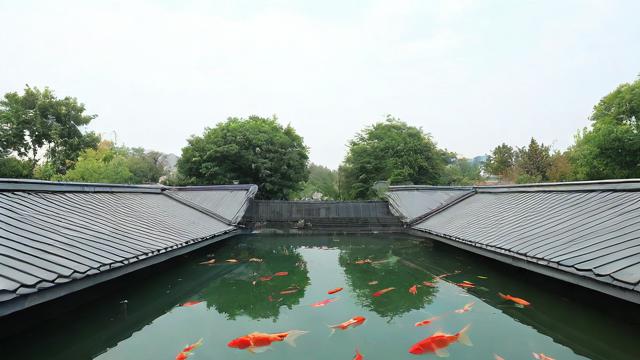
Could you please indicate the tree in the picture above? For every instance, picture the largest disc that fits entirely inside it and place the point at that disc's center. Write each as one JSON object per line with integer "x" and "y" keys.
{"x": 533, "y": 162}
{"x": 560, "y": 168}
{"x": 146, "y": 167}
{"x": 390, "y": 151}
{"x": 461, "y": 171}
{"x": 38, "y": 122}
{"x": 501, "y": 160}
{"x": 321, "y": 180}
{"x": 10, "y": 167}
{"x": 611, "y": 148}
{"x": 253, "y": 150}
{"x": 106, "y": 164}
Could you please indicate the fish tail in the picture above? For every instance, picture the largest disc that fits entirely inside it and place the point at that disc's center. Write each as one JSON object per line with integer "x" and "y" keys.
{"x": 292, "y": 335}
{"x": 463, "y": 338}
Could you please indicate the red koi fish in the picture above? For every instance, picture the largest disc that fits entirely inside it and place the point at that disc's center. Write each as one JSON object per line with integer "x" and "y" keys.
{"x": 383, "y": 291}
{"x": 288, "y": 291}
{"x": 426, "y": 322}
{"x": 466, "y": 285}
{"x": 542, "y": 356}
{"x": 188, "y": 350}
{"x": 365, "y": 261}
{"x": 281, "y": 273}
{"x": 265, "y": 278}
{"x": 429, "y": 284}
{"x": 353, "y": 322}
{"x": 258, "y": 342}
{"x": 358, "y": 356}
{"x": 190, "y": 303}
{"x": 521, "y": 302}
{"x": 208, "y": 262}
{"x": 324, "y": 302}
{"x": 413, "y": 290}
{"x": 333, "y": 291}
{"x": 438, "y": 342}
{"x": 465, "y": 308}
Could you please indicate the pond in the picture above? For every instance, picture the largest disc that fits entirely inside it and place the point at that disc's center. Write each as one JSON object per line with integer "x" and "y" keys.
{"x": 276, "y": 279}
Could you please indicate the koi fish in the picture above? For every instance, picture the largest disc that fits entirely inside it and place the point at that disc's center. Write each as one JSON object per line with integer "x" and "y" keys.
{"x": 288, "y": 291}
{"x": 430, "y": 284}
{"x": 383, "y": 291}
{"x": 190, "y": 303}
{"x": 281, "y": 273}
{"x": 258, "y": 342}
{"x": 521, "y": 302}
{"x": 187, "y": 351}
{"x": 233, "y": 261}
{"x": 353, "y": 322}
{"x": 208, "y": 262}
{"x": 333, "y": 291}
{"x": 426, "y": 322}
{"x": 324, "y": 302}
{"x": 413, "y": 290}
{"x": 358, "y": 356}
{"x": 255, "y": 260}
{"x": 483, "y": 277}
{"x": 465, "y": 308}
{"x": 365, "y": 261}
{"x": 465, "y": 285}
{"x": 542, "y": 356}
{"x": 498, "y": 357}
{"x": 265, "y": 278}
{"x": 271, "y": 299}
{"x": 374, "y": 282}
{"x": 438, "y": 342}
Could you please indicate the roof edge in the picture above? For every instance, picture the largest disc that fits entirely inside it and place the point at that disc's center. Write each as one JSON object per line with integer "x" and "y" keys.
{"x": 594, "y": 185}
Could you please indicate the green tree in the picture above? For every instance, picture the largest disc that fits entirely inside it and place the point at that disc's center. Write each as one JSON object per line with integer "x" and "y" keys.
{"x": 461, "y": 171}
{"x": 533, "y": 162}
{"x": 390, "y": 151}
{"x": 10, "y": 167}
{"x": 322, "y": 180}
{"x": 611, "y": 148}
{"x": 145, "y": 166}
{"x": 37, "y": 122}
{"x": 106, "y": 164}
{"x": 560, "y": 168}
{"x": 501, "y": 160}
{"x": 253, "y": 150}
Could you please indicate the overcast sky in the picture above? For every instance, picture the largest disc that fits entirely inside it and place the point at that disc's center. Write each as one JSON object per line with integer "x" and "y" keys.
{"x": 473, "y": 74}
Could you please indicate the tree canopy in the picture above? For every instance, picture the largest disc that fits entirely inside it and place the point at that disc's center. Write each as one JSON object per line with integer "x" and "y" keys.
{"x": 321, "y": 180}
{"x": 611, "y": 148}
{"x": 390, "y": 151}
{"x": 500, "y": 161}
{"x": 37, "y": 123}
{"x": 253, "y": 150}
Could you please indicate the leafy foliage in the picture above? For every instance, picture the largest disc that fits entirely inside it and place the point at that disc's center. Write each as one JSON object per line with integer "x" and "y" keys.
{"x": 501, "y": 160}
{"x": 38, "y": 122}
{"x": 461, "y": 171}
{"x": 533, "y": 162}
{"x": 390, "y": 151}
{"x": 611, "y": 148}
{"x": 253, "y": 150}
{"x": 321, "y": 180}
{"x": 11, "y": 167}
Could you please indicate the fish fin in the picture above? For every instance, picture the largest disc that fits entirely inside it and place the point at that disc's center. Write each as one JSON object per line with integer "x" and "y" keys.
{"x": 463, "y": 338}
{"x": 292, "y": 335}
{"x": 442, "y": 352}
{"x": 257, "y": 350}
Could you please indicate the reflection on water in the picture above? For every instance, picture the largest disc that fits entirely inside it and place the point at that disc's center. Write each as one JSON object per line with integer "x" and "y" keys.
{"x": 140, "y": 317}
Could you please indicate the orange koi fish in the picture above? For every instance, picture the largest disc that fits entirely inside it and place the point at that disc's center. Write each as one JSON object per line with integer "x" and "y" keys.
{"x": 255, "y": 260}
{"x": 288, "y": 291}
{"x": 466, "y": 285}
{"x": 358, "y": 356}
{"x": 429, "y": 284}
{"x": 383, "y": 291}
{"x": 438, "y": 342}
{"x": 374, "y": 282}
{"x": 187, "y": 351}
{"x": 465, "y": 308}
{"x": 521, "y": 302}
{"x": 413, "y": 290}
{"x": 233, "y": 261}
{"x": 324, "y": 302}
{"x": 190, "y": 303}
{"x": 542, "y": 356}
{"x": 208, "y": 262}
{"x": 426, "y": 322}
{"x": 365, "y": 261}
{"x": 333, "y": 291}
{"x": 353, "y": 322}
{"x": 498, "y": 357}
{"x": 265, "y": 278}
{"x": 281, "y": 273}
{"x": 258, "y": 342}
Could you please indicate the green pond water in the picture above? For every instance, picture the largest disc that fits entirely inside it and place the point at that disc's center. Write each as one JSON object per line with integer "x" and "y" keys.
{"x": 139, "y": 317}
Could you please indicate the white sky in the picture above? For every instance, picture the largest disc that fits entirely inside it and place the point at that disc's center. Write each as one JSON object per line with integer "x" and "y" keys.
{"x": 471, "y": 73}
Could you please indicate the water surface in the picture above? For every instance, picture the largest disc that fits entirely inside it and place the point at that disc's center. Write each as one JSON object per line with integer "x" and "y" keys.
{"x": 141, "y": 317}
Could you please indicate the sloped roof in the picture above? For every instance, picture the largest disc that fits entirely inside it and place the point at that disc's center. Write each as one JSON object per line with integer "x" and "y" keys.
{"x": 587, "y": 229}
{"x": 59, "y": 233}
{"x": 413, "y": 202}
